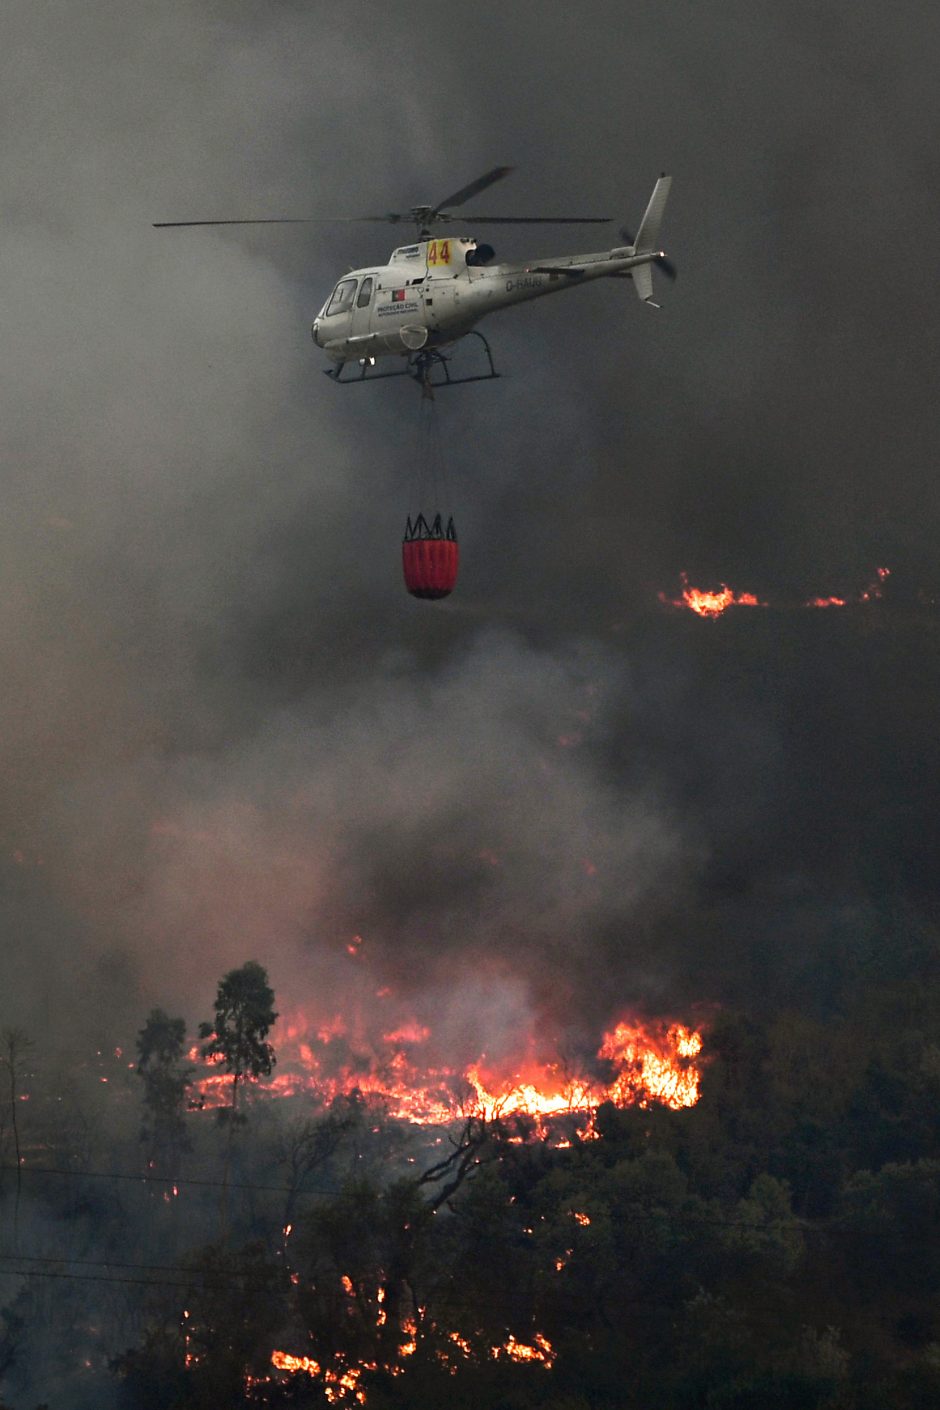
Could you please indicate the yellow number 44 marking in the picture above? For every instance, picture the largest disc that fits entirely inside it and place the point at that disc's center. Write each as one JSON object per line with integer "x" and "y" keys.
{"x": 439, "y": 252}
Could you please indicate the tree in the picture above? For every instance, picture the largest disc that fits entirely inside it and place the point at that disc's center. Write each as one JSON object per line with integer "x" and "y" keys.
{"x": 15, "y": 1047}
{"x": 166, "y": 1078}
{"x": 244, "y": 1014}
{"x": 888, "y": 1234}
{"x": 305, "y": 1146}
{"x": 216, "y": 1339}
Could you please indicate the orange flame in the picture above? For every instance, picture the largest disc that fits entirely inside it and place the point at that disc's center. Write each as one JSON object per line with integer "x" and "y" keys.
{"x": 714, "y": 602}
{"x": 341, "y": 1381}
{"x": 710, "y": 603}
{"x": 646, "y": 1064}
{"x": 410, "y": 1345}
{"x": 341, "y": 1385}
{"x": 541, "y": 1350}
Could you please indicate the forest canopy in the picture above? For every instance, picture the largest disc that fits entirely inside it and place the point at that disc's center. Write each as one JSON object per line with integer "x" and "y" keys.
{"x": 774, "y": 1244}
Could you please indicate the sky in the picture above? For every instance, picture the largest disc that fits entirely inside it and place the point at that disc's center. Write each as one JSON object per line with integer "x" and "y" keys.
{"x": 226, "y": 731}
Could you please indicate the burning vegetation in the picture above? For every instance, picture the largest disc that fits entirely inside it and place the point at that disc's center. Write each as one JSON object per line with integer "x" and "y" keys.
{"x": 709, "y": 602}
{"x": 714, "y": 602}
{"x": 312, "y": 1217}
{"x": 342, "y": 1384}
{"x": 634, "y": 1064}
{"x": 354, "y": 1317}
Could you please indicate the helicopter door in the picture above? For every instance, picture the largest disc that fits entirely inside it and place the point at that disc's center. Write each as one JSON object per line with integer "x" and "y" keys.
{"x": 363, "y": 307}
{"x": 337, "y": 316}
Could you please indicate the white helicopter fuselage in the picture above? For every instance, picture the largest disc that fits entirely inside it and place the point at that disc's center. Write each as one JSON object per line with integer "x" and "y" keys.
{"x": 433, "y": 292}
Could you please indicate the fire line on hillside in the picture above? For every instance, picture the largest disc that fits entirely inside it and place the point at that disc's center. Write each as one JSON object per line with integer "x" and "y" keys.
{"x": 641, "y": 1064}
{"x": 713, "y": 602}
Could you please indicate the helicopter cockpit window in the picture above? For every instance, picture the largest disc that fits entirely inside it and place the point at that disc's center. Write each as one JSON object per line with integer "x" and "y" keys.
{"x": 365, "y": 293}
{"x": 481, "y": 254}
{"x": 342, "y": 299}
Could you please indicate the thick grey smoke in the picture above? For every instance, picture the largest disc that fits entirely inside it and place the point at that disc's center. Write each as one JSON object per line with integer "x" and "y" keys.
{"x": 226, "y": 731}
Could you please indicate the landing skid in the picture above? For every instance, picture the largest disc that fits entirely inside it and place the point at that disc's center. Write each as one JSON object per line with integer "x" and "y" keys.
{"x": 420, "y": 368}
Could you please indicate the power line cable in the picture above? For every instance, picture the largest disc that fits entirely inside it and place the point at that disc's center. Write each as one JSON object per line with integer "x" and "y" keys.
{"x": 161, "y": 1179}
{"x": 796, "y": 1224}
{"x": 119, "y": 1263}
{"x": 102, "y": 1278}
{"x": 209, "y": 1280}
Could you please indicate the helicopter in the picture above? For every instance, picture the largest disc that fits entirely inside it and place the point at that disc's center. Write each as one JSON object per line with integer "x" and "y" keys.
{"x": 432, "y": 293}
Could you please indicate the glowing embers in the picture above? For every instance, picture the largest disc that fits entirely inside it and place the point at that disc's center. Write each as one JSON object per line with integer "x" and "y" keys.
{"x": 872, "y": 593}
{"x": 430, "y": 556}
{"x": 539, "y": 1350}
{"x": 342, "y": 1382}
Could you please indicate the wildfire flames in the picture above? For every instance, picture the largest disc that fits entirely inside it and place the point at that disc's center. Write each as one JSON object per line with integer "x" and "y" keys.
{"x": 709, "y": 603}
{"x": 635, "y": 1065}
{"x": 342, "y": 1382}
{"x": 714, "y": 602}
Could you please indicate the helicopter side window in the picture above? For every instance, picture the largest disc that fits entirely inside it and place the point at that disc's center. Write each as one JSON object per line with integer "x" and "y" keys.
{"x": 342, "y": 299}
{"x": 481, "y": 255}
{"x": 365, "y": 293}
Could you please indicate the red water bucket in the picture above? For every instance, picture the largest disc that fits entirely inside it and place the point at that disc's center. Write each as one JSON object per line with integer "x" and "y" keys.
{"x": 430, "y": 557}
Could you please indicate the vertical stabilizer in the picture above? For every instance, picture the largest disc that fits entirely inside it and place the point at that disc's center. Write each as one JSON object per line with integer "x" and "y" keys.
{"x": 647, "y": 237}
{"x": 647, "y": 243}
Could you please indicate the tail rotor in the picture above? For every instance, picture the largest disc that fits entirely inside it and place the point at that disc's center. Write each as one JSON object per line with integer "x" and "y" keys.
{"x": 662, "y": 262}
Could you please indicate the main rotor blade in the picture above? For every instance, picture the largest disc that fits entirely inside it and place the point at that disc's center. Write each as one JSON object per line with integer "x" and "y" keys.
{"x": 283, "y": 220}
{"x": 537, "y": 219}
{"x": 475, "y": 187}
